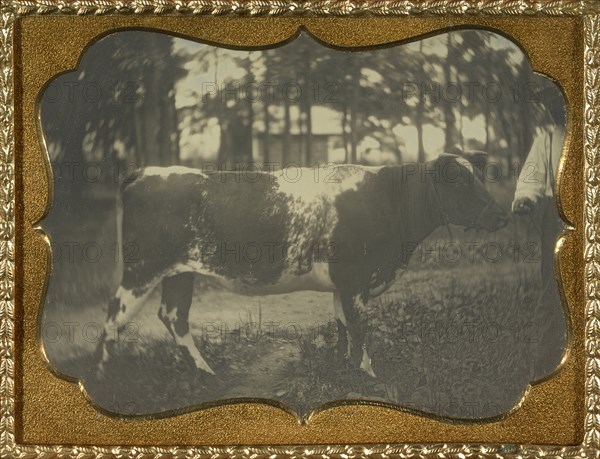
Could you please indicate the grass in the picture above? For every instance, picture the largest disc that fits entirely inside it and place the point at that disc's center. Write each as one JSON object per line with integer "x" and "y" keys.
{"x": 84, "y": 260}
{"x": 461, "y": 353}
{"x": 454, "y": 337}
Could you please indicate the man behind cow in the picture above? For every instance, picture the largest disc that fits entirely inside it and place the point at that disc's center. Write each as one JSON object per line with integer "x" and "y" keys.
{"x": 534, "y": 196}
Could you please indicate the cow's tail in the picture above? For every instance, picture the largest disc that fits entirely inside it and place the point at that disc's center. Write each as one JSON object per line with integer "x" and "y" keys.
{"x": 119, "y": 220}
{"x": 121, "y": 250}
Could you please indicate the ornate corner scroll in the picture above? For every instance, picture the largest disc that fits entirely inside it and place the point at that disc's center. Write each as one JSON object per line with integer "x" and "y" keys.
{"x": 12, "y": 9}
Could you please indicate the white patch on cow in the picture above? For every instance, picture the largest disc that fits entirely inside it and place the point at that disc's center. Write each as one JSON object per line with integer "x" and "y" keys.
{"x": 170, "y": 317}
{"x": 310, "y": 183}
{"x": 317, "y": 280}
{"x": 466, "y": 163}
{"x": 165, "y": 172}
{"x": 365, "y": 364}
{"x": 187, "y": 342}
{"x": 129, "y": 305}
{"x": 310, "y": 197}
{"x": 372, "y": 169}
{"x": 352, "y": 181}
{"x": 300, "y": 183}
{"x": 127, "y": 297}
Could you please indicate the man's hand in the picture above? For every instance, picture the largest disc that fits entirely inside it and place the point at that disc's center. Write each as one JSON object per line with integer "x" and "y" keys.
{"x": 522, "y": 206}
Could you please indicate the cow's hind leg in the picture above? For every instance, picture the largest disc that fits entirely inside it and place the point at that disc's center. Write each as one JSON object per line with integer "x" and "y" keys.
{"x": 122, "y": 308}
{"x": 174, "y": 312}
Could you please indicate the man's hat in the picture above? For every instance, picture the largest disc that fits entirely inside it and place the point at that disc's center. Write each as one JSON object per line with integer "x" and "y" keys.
{"x": 552, "y": 99}
{"x": 548, "y": 93}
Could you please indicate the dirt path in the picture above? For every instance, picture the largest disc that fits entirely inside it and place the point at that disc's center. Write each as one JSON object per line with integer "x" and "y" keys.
{"x": 261, "y": 378}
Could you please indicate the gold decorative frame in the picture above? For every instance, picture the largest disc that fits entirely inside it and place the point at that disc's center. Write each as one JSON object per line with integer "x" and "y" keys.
{"x": 589, "y": 10}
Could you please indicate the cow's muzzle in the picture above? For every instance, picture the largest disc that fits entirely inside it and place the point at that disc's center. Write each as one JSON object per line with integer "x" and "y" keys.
{"x": 491, "y": 218}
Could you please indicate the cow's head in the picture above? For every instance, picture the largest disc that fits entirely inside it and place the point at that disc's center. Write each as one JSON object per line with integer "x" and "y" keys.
{"x": 460, "y": 194}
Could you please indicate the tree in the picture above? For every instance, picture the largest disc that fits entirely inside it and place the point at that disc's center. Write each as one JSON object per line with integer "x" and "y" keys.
{"x": 122, "y": 92}
{"x": 451, "y": 133}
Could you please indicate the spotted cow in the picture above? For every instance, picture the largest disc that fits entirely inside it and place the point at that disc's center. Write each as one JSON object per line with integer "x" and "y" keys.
{"x": 344, "y": 229}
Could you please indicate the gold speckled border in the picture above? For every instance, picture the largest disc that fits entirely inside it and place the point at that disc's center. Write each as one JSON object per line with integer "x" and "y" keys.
{"x": 590, "y": 9}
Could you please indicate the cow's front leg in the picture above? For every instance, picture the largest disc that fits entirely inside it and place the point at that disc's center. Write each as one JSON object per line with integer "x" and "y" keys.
{"x": 344, "y": 343}
{"x": 174, "y": 312}
{"x": 355, "y": 315}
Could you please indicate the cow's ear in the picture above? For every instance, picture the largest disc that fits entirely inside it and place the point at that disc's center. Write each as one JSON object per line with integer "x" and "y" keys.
{"x": 445, "y": 158}
{"x": 476, "y": 157}
{"x": 455, "y": 150}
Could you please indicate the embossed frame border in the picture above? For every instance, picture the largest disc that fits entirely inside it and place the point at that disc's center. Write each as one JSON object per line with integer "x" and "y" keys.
{"x": 589, "y": 10}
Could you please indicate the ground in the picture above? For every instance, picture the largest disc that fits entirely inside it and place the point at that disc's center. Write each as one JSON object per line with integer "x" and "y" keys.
{"x": 452, "y": 337}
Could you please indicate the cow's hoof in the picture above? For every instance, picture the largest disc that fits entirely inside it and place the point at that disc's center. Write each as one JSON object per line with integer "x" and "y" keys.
{"x": 365, "y": 364}
{"x": 369, "y": 372}
{"x": 210, "y": 379}
{"x": 99, "y": 373}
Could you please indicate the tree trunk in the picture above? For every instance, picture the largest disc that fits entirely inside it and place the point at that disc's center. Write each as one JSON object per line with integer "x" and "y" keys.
{"x": 344, "y": 130}
{"x": 250, "y": 113}
{"x": 224, "y": 144}
{"x": 301, "y": 138}
{"x": 461, "y": 139}
{"x": 307, "y": 107}
{"x": 397, "y": 150}
{"x": 420, "y": 112}
{"x": 266, "y": 135}
{"x": 450, "y": 133}
{"x": 148, "y": 119}
{"x": 354, "y": 82}
{"x": 70, "y": 183}
{"x": 287, "y": 126}
{"x": 487, "y": 127}
{"x": 238, "y": 135}
{"x": 308, "y": 134}
{"x": 419, "y": 126}
{"x": 267, "y": 63}
{"x": 169, "y": 129}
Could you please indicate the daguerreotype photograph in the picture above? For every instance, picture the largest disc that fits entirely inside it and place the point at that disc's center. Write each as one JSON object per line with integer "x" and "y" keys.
{"x": 303, "y": 225}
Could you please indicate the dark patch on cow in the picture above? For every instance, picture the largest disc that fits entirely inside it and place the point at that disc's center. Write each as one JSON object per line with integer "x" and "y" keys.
{"x": 237, "y": 229}
{"x": 240, "y": 226}
{"x": 156, "y": 220}
{"x": 181, "y": 326}
{"x": 131, "y": 177}
{"x": 165, "y": 320}
{"x": 176, "y": 296}
{"x": 356, "y": 324}
{"x": 379, "y": 226}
